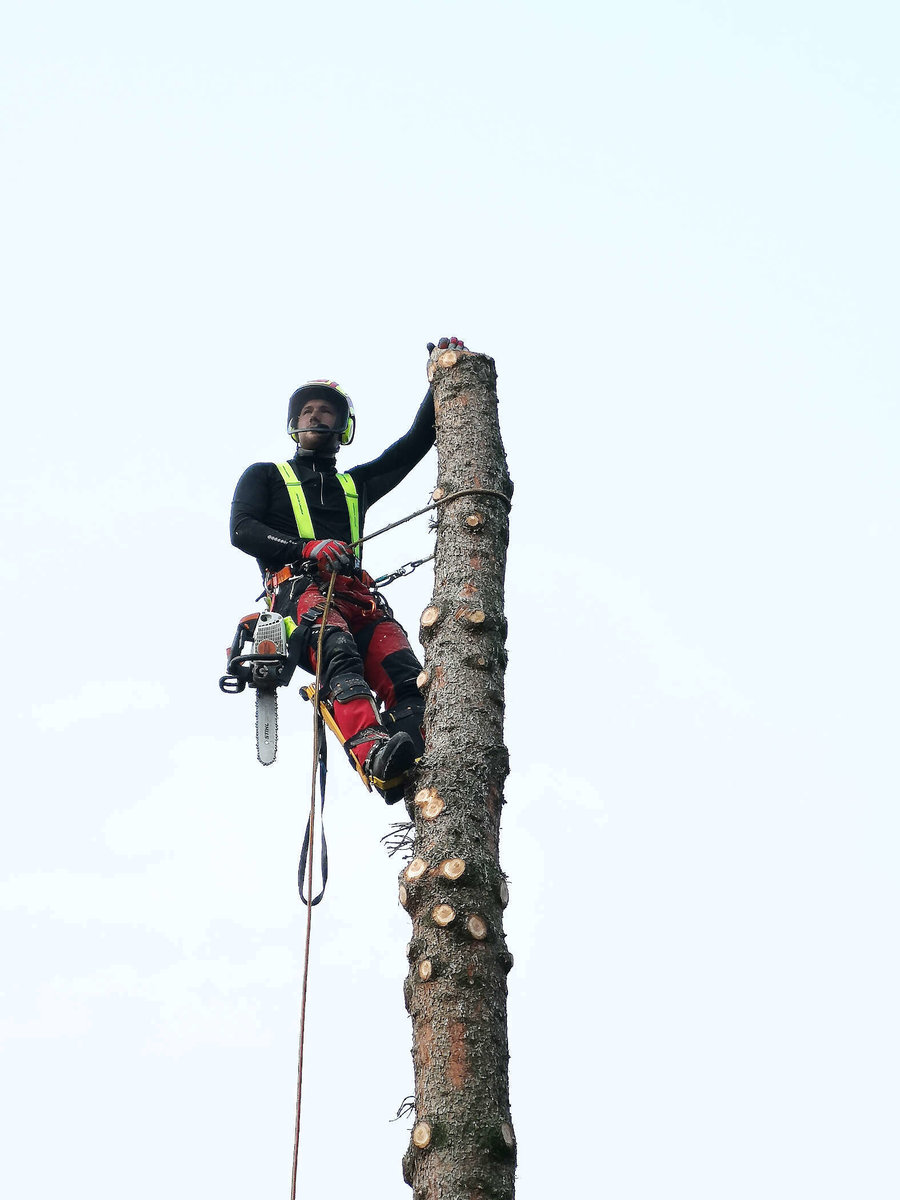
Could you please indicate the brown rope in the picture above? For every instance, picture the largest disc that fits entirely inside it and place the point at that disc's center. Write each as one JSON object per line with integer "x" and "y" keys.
{"x": 435, "y": 504}
{"x": 309, "y": 907}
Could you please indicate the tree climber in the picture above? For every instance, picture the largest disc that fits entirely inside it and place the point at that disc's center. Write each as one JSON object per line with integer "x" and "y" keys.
{"x": 298, "y": 519}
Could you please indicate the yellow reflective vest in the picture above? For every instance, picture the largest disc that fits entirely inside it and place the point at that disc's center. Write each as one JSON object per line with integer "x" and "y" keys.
{"x": 301, "y": 508}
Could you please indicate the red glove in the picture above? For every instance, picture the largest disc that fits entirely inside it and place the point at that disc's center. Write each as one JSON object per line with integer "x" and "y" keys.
{"x": 330, "y": 555}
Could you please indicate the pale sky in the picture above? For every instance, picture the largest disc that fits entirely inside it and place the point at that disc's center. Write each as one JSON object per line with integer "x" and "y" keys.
{"x": 673, "y": 225}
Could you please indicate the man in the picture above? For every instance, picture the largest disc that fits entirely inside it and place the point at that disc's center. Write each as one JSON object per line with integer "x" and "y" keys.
{"x": 298, "y": 520}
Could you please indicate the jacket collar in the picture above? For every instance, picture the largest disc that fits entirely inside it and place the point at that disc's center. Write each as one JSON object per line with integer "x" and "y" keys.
{"x": 326, "y": 463}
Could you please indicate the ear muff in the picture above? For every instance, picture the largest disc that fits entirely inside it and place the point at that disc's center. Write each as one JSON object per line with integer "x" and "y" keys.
{"x": 349, "y": 431}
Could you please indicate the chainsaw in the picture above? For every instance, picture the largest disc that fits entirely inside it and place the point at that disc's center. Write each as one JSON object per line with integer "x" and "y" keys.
{"x": 265, "y": 668}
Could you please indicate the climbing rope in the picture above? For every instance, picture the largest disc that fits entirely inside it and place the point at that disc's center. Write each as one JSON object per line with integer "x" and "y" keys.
{"x": 429, "y": 507}
{"x": 317, "y": 733}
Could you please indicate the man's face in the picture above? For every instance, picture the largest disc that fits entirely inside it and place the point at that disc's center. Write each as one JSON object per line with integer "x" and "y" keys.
{"x": 318, "y": 418}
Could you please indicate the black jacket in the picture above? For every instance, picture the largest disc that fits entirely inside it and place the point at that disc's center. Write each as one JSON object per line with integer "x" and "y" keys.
{"x": 262, "y": 519}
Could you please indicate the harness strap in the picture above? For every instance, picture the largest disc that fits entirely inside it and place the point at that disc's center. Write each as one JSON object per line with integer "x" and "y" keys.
{"x": 376, "y": 733}
{"x": 302, "y": 516}
{"x": 276, "y": 579}
{"x": 369, "y": 603}
{"x": 298, "y": 501}
{"x": 387, "y": 784}
{"x": 350, "y": 495}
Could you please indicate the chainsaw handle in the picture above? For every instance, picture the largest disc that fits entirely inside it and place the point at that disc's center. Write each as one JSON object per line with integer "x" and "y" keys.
{"x": 259, "y": 670}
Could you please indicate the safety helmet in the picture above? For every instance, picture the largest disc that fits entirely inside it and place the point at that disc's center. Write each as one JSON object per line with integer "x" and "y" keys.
{"x": 323, "y": 389}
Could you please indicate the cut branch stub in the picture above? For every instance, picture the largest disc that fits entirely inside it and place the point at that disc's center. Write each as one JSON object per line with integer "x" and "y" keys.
{"x": 438, "y": 494}
{"x": 448, "y": 359}
{"x": 425, "y": 970}
{"x": 415, "y": 870}
{"x": 452, "y": 868}
{"x": 506, "y": 1132}
{"x": 429, "y": 804}
{"x": 477, "y": 927}
{"x": 430, "y": 616}
{"x": 423, "y": 679}
{"x": 443, "y": 915}
{"x": 404, "y": 896}
{"x": 469, "y": 616}
{"x": 421, "y": 1135}
{"x": 475, "y": 519}
{"x": 504, "y": 893}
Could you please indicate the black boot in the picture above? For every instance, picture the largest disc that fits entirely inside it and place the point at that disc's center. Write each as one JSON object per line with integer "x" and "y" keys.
{"x": 389, "y": 764}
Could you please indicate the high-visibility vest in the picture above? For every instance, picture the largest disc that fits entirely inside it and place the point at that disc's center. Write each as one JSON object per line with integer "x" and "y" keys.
{"x": 301, "y": 508}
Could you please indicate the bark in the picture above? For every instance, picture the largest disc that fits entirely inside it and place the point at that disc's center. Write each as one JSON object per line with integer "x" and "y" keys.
{"x": 463, "y": 1145}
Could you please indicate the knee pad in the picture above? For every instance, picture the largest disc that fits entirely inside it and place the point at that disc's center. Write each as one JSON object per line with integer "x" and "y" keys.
{"x": 340, "y": 657}
{"x": 349, "y": 687}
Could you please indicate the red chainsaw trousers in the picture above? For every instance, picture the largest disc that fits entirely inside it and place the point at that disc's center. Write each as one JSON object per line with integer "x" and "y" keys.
{"x": 361, "y": 639}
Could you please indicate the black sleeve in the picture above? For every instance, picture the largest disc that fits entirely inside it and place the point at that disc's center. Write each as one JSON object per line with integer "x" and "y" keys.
{"x": 382, "y": 474}
{"x": 252, "y": 514}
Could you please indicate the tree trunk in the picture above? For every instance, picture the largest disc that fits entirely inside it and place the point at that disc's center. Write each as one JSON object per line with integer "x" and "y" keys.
{"x": 463, "y": 1145}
